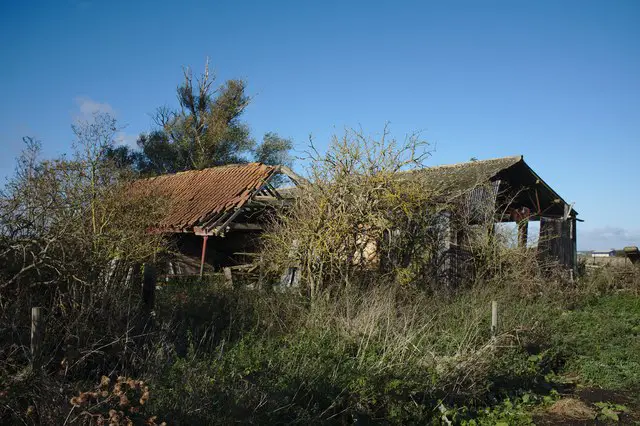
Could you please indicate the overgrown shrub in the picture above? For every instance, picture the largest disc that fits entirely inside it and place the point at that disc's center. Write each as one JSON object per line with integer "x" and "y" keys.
{"x": 376, "y": 354}
{"x": 358, "y": 196}
{"x": 71, "y": 235}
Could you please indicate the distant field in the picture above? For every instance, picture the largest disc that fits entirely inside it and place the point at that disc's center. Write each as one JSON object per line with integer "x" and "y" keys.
{"x": 601, "y": 261}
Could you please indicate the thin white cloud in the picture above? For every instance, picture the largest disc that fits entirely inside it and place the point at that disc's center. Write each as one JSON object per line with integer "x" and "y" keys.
{"x": 86, "y": 110}
{"x": 87, "y": 107}
{"x": 128, "y": 139}
{"x": 607, "y": 237}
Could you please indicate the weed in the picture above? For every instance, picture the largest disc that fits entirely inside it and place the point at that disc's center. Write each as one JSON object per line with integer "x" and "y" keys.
{"x": 609, "y": 411}
{"x": 602, "y": 341}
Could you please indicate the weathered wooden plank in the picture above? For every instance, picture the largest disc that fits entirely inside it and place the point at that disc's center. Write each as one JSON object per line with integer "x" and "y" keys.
{"x": 246, "y": 227}
{"x": 37, "y": 336}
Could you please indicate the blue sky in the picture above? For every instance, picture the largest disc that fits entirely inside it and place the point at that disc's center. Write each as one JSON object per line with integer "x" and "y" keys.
{"x": 556, "y": 81}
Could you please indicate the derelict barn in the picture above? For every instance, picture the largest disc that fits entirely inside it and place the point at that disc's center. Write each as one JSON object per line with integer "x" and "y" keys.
{"x": 508, "y": 190}
{"x": 214, "y": 216}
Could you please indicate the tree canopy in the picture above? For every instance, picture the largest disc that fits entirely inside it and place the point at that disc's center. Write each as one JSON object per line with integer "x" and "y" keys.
{"x": 206, "y": 130}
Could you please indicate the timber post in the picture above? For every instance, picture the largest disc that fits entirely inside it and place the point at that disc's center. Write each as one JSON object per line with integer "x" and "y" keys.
{"x": 494, "y": 319}
{"x": 37, "y": 336}
{"x": 291, "y": 276}
{"x": 203, "y": 254}
{"x": 228, "y": 277}
{"x": 523, "y": 233}
{"x": 521, "y": 217}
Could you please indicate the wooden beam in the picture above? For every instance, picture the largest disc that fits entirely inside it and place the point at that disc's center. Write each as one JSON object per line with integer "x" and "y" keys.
{"x": 246, "y": 227}
{"x": 271, "y": 190}
{"x": 228, "y": 276}
{"x": 222, "y": 227}
{"x": 297, "y": 179}
{"x": 202, "y": 230}
{"x": 37, "y": 336}
{"x": 262, "y": 200}
{"x": 149, "y": 280}
{"x": 567, "y": 211}
{"x": 204, "y": 252}
{"x": 523, "y": 233}
{"x": 216, "y": 229}
{"x": 265, "y": 198}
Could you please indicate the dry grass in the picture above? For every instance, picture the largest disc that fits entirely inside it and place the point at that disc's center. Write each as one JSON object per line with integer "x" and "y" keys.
{"x": 604, "y": 261}
{"x": 572, "y": 408}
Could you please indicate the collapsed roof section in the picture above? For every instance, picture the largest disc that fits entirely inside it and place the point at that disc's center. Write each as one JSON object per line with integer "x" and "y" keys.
{"x": 214, "y": 200}
{"x": 206, "y": 202}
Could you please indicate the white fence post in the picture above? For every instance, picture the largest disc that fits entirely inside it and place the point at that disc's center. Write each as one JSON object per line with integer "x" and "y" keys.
{"x": 494, "y": 318}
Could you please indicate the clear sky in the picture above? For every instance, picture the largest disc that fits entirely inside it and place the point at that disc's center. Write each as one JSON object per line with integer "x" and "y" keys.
{"x": 556, "y": 81}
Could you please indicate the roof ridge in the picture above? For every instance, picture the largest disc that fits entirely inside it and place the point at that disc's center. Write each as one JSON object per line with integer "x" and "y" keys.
{"x": 223, "y": 166}
{"x": 510, "y": 157}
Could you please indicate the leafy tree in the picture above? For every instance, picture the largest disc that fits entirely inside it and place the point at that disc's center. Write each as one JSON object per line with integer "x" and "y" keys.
{"x": 159, "y": 155}
{"x": 273, "y": 150}
{"x": 207, "y": 130}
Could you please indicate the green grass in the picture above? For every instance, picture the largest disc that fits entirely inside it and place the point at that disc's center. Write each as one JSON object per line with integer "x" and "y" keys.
{"x": 384, "y": 355}
{"x": 381, "y": 359}
{"x": 602, "y": 341}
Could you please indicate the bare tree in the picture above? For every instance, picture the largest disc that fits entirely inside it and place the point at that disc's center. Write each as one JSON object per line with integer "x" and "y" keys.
{"x": 63, "y": 223}
{"x": 359, "y": 204}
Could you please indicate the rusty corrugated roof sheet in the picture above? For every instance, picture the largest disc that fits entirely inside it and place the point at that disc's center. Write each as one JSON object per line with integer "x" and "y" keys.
{"x": 198, "y": 197}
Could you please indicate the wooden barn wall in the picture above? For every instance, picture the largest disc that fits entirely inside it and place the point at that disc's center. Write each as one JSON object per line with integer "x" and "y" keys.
{"x": 477, "y": 208}
{"x": 557, "y": 241}
{"x": 186, "y": 250}
{"x": 457, "y": 267}
{"x": 478, "y": 205}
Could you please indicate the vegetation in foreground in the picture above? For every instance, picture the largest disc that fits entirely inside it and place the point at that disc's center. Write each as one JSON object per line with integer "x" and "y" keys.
{"x": 397, "y": 357}
{"x": 376, "y": 356}
{"x": 352, "y": 346}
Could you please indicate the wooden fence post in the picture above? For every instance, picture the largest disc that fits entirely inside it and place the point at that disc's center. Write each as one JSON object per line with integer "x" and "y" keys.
{"x": 261, "y": 272}
{"x": 228, "y": 277}
{"x": 494, "y": 318}
{"x": 149, "y": 286}
{"x": 37, "y": 336}
{"x": 291, "y": 276}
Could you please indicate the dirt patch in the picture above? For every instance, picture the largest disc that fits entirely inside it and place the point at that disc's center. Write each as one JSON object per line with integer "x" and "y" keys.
{"x": 579, "y": 408}
{"x": 567, "y": 411}
{"x": 630, "y": 399}
{"x": 572, "y": 408}
{"x": 553, "y": 420}
{"x": 594, "y": 395}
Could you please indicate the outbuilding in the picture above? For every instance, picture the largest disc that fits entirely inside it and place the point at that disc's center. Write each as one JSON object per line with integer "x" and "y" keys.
{"x": 216, "y": 215}
{"x": 603, "y": 253}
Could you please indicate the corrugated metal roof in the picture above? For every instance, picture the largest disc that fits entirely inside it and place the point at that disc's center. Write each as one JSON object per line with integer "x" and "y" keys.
{"x": 198, "y": 197}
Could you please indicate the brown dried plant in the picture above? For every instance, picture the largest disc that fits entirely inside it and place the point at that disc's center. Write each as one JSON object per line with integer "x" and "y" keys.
{"x": 70, "y": 234}
{"x": 119, "y": 404}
